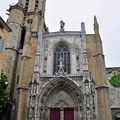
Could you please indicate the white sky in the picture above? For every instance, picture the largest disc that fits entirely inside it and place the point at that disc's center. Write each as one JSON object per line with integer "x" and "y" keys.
{"x": 73, "y": 12}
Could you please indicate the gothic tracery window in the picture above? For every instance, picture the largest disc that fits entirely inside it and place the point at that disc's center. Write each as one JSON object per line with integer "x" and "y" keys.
{"x": 61, "y": 52}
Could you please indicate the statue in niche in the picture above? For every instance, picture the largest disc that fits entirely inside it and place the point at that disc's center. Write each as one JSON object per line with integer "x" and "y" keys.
{"x": 87, "y": 87}
{"x": 34, "y": 89}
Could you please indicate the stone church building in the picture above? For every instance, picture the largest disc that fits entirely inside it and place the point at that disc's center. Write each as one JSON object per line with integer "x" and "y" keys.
{"x": 54, "y": 75}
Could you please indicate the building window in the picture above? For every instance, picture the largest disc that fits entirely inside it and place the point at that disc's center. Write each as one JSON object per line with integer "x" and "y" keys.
{"x": 61, "y": 52}
{"x": 1, "y": 44}
{"x": 22, "y": 38}
{"x": 1, "y": 26}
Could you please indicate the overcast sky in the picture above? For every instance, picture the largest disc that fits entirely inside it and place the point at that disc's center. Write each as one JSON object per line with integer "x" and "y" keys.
{"x": 73, "y": 12}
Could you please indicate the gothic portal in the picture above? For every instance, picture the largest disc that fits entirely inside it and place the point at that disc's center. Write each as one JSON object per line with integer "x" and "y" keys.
{"x": 54, "y": 75}
{"x": 68, "y": 89}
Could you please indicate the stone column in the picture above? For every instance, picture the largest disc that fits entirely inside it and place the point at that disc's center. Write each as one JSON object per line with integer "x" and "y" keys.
{"x": 61, "y": 113}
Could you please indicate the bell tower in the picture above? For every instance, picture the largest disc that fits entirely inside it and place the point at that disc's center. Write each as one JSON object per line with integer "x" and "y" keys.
{"x": 31, "y": 6}
{"x": 26, "y": 18}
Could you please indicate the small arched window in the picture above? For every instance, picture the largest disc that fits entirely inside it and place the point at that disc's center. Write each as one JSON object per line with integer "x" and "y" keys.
{"x": 61, "y": 51}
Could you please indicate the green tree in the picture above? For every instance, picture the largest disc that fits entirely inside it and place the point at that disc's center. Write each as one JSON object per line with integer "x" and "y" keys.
{"x": 115, "y": 80}
{"x": 4, "y": 99}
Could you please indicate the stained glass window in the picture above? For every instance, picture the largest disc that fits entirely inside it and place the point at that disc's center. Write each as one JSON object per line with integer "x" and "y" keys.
{"x": 61, "y": 52}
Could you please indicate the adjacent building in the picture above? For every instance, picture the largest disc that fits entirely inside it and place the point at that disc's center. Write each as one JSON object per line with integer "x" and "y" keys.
{"x": 114, "y": 92}
{"x": 4, "y": 29}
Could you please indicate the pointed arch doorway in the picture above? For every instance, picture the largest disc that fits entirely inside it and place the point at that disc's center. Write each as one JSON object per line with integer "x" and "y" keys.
{"x": 62, "y": 106}
{"x": 61, "y": 100}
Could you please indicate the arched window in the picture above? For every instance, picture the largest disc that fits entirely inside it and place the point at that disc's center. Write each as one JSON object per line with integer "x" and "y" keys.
{"x": 62, "y": 52}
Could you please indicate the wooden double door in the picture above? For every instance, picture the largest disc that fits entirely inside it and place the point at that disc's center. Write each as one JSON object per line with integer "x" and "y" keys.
{"x": 62, "y": 114}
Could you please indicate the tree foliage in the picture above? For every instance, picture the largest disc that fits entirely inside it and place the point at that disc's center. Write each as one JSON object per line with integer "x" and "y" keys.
{"x": 4, "y": 99}
{"x": 115, "y": 80}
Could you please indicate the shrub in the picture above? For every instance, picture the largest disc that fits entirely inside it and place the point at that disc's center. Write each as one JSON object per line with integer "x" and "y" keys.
{"x": 4, "y": 98}
{"x": 115, "y": 80}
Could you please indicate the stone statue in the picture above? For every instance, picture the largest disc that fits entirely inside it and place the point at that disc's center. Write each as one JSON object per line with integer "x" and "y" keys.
{"x": 61, "y": 63}
{"x": 62, "y": 24}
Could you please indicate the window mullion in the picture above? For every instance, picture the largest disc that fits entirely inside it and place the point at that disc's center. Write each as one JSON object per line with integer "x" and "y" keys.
{"x": 66, "y": 61}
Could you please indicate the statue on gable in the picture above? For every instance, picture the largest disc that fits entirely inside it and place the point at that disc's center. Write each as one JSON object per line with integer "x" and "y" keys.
{"x": 62, "y": 24}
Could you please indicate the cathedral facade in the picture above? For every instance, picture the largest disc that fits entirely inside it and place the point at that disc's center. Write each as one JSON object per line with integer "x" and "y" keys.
{"x": 54, "y": 75}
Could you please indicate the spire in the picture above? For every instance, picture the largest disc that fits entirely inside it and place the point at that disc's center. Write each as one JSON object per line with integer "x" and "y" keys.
{"x": 84, "y": 48}
{"x": 96, "y": 25}
{"x": 83, "y": 31}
